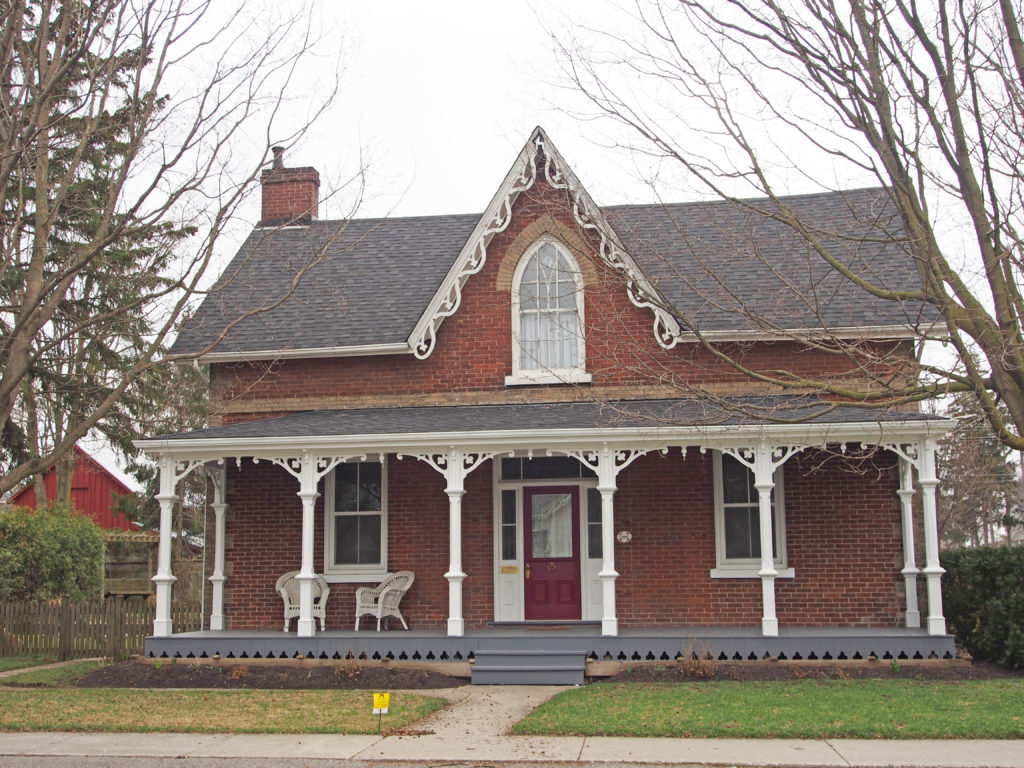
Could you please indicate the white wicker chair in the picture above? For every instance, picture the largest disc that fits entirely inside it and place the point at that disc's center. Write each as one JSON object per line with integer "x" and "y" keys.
{"x": 288, "y": 588}
{"x": 383, "y": 600}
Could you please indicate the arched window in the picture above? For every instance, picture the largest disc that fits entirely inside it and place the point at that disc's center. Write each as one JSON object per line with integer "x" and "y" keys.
{"x": 547, "y": 318}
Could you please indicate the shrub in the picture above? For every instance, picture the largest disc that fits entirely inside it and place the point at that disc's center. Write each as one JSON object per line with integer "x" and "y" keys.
{"x": 983, "y": 599}
{"x": 47, "y": 553}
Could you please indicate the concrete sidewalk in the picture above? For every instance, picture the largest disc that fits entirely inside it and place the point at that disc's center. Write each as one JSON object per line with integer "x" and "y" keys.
{"x": 474, "y": 730}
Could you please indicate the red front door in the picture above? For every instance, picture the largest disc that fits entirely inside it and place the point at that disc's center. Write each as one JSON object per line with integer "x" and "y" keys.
{"x": 552, "y": 539}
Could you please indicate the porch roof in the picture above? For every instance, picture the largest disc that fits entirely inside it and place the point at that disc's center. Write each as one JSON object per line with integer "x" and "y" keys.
{"x": 670, "y": 422}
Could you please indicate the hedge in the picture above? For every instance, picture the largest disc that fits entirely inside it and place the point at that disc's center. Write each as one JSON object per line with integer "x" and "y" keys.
{"x": 983, "y": 599}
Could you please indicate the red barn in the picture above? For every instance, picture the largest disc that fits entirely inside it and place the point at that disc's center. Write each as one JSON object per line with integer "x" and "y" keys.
{"x": 93, "y": 488}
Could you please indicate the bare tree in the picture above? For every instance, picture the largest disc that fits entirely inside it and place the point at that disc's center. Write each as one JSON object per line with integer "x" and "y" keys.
{"x": 742, "y": 98}
{"x": 120, "y": 170}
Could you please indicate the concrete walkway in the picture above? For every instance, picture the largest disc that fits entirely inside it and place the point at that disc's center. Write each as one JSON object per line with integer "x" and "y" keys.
{"x": 474, "y": 730}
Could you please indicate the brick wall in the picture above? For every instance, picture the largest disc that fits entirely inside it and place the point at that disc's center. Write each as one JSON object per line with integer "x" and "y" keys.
{"x": 842, "y": 522}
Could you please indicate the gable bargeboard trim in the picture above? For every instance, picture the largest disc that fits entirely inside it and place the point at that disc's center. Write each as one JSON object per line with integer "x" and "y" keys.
{"x": 496, "y": 219}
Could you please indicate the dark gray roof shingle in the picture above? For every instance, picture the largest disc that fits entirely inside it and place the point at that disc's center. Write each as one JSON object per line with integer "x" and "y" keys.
{"x": 368, "y": 281}
{"x": 725, "y": 267}
{"x": 537, "y": 416}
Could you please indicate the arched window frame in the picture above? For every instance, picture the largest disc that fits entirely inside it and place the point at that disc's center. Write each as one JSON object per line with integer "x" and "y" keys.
{"x": 574, "y": 375}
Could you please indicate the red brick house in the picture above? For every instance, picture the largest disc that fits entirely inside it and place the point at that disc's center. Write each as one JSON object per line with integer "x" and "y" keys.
{"x": 514, "y": 406}
{"x": 93, "y": 488}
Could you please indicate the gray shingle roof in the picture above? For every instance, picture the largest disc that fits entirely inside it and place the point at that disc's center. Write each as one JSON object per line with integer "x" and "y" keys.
{"x": 720, "y": 264}
{"x": 528, "y": 417}
{"x": 725, "y": 267}
{"x": 367, "y": 282}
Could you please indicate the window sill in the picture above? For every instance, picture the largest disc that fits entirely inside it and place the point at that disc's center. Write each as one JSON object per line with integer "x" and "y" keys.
{"x": 355, "y": 577}
{"x": 745, "y": 572}
{"x": 526, "y": 378}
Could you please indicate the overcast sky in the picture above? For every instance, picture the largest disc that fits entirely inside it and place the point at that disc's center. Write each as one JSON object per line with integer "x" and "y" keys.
{"x": 443, "y": 95}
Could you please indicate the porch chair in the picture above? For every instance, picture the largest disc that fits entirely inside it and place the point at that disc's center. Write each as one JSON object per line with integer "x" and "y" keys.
{"x": 288, "y": 588}
{"x": 383, "y": 600}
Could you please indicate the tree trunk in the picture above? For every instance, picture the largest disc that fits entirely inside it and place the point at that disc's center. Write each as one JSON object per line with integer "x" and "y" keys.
{"x": 65, "y": 469}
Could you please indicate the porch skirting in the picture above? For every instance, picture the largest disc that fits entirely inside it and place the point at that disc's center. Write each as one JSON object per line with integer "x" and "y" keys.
{"x": 724, "y": 643}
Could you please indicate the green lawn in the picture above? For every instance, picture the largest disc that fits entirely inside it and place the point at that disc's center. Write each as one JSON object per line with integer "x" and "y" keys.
{"x": 17, "y": 662}
{"x": 204, "y": 711}
{"x": 51, "y": 677}
{"x": 41, "y": 701}
{"x": 863, "y": 709}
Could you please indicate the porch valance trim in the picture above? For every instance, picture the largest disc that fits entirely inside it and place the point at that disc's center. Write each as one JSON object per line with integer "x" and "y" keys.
{"x": 651, "y": 426}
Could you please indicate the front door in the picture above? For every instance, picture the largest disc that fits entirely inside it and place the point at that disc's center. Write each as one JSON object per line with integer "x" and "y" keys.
{"x": 551, "y": 581}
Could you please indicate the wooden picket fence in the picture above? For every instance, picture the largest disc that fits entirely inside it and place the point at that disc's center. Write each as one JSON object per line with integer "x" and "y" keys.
{"x": 115, "y": 627}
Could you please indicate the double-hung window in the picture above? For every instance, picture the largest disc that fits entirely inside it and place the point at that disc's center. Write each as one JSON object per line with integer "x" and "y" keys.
{"x": 356, "y": 521}
{"x": 547, "y": 318}
{"x": 738, "y": 521}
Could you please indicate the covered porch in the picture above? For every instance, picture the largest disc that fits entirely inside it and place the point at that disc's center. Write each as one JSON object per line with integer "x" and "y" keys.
{"x": 606, "y": 439}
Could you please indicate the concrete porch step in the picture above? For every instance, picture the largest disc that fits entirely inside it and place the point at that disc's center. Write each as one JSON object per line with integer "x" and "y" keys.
{"x": 528, "y": 666}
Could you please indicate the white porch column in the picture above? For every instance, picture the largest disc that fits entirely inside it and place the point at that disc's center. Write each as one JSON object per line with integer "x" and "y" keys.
{"x": 308, "y": 469}
{"x": 606, "y": 474}
{"x": 306, "y": 577}
{"x": 932, "y": 570}
{"x": 455, "y": 575}
{"x": 607, "y": 462}
{"x": 164, "y": 579}
{"x": 455, "y": 465}
{"x": 764, "y": 483}
{"x": 910, "y": 571}
{"x": 219, "y": 478}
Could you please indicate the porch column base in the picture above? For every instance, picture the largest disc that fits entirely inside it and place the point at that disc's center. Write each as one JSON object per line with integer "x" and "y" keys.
{"x": 306, "y": 627}
{"x": 769, "y": 621}
{"x": 162, "y": 628}
{"x": 456, "y": 624}
{"x": 162, "y": 624}
{"x": 913, "y": 615}
{"x": 936, "y": 621}
{"x": 456, "y": 627}
{"x": 609, "y": 627}
{"x": 217, "y": 616}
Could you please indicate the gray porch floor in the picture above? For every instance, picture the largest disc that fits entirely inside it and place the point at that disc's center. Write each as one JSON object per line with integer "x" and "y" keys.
{"x": 636, "y": 644}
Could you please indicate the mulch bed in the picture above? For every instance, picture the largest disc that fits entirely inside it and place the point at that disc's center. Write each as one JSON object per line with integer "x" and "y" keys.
{"x": 809, "y": 670}
{"x": 352, "y": 676}
{"x": 342, "y": 676}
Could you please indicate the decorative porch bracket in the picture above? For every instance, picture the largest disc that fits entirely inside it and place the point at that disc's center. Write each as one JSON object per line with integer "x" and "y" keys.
{"x": 219, "y": 478}
{"x": 171, "y": 472}
{"x": 921, "y": 456}
{"x": 607, "y": 462}
{"x": 455, "y": 465}
{"x": 763, "y": 460}
{"x": 308, "y": 469}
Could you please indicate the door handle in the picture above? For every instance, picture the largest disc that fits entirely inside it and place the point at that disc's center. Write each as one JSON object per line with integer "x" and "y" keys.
{"x": 527, "y": 570}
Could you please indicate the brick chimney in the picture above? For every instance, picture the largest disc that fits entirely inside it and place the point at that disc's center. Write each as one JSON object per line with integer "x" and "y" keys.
{"x": 290, "y": 195}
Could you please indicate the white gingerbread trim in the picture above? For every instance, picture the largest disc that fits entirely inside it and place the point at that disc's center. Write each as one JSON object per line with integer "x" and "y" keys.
{"x": 497, "y": 217}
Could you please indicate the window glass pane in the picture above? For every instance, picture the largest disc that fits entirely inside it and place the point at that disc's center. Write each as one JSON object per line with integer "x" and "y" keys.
{"x": 346, "y": 540}
{"x": 508, "y": 525}
{"x": 741, "y": 533}
{"x": 357, "y": 539}
{"x": 511, "y": 469}
{"x": 548, "y": 322}
{"x": 737, "y": 482}
{"x": 593, "y": 506}
{"x": 508, "y": 507}
{"x": 346, "y": 487}
{"x": 369, "y": 486}
{"x": 553, "y": 468}
{"x": 551, "y": 517}
{"x": 595, "y": 549}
